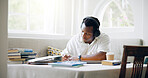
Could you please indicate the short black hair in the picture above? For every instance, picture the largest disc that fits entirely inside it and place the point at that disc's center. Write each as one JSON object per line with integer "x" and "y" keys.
{"x": 92, "y": 21}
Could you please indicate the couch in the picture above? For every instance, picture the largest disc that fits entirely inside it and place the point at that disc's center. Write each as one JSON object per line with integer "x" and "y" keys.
{"x": 40, "y": 45}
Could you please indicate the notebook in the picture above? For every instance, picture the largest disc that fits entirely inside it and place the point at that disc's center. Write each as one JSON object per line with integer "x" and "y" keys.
{"x": 68, "y": 64}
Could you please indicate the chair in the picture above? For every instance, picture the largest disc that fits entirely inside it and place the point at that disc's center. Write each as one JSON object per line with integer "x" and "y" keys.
{"x": 139, "y": 52}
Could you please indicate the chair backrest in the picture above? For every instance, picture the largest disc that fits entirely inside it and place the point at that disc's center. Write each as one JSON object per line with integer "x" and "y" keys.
{"x": 139, "y": 52}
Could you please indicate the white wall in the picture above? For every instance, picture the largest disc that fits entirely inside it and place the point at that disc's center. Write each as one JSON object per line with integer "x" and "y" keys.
{"x": 145, "y": 22}
{"x": 3, "y": 38}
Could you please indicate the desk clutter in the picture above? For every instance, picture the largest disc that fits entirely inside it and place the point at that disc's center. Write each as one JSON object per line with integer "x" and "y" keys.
{"x": 20, "y": 55}
{"x": 55, "y": 61}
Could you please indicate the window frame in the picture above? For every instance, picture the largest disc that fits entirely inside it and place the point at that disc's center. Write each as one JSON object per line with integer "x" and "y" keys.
{"x": 100, "y": 10}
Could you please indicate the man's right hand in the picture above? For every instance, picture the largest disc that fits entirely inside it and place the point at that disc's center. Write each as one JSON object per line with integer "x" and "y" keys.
{"x": 66, "y": 58}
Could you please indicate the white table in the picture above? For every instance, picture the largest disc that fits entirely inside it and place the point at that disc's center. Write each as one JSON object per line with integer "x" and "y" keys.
{"x": 86, "y": 71}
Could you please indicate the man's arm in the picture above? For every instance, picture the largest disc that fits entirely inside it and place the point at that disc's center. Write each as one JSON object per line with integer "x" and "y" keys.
{"x": 94, "y": 57}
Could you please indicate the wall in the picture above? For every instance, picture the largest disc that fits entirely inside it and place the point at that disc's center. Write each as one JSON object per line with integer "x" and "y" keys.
{"x": 145, "y": 22}
{"x": 3, "y": 38}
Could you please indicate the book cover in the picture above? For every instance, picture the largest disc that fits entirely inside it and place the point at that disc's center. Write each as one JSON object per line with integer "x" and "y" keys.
{"x": 111, "y": 62}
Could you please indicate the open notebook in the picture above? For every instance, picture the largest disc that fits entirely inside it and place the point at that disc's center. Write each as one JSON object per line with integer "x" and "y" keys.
{"x": 68, "y": 64}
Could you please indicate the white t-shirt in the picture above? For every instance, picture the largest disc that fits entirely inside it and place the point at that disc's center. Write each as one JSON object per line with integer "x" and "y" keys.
{"x": 76, "y": 46}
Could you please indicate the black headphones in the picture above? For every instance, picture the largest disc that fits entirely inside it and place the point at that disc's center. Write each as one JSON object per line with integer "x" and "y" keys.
{"x": 96, "y": 31}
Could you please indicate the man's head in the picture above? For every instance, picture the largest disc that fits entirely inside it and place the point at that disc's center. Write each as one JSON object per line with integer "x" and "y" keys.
{"x": 90, "y": 29}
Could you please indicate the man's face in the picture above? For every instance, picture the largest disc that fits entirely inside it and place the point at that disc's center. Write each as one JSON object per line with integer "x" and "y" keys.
{"x": 87, "y": 34}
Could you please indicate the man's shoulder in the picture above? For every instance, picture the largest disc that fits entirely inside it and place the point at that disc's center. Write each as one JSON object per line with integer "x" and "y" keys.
{"x": 103, "y": 35}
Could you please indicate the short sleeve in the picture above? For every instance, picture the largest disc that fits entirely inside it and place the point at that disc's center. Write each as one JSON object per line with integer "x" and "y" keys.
{"x": 104, "y": 43}
{"x": 68, "y": 48}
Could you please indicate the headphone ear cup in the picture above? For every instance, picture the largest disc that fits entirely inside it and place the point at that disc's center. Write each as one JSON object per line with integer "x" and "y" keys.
{"x": 97, "y": 33}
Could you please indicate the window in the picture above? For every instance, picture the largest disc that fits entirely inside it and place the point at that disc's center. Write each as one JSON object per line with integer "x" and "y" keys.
{"x": 64, "y": 17}
{"x": 117, "y": 14}
{"x": 37, "y": 16}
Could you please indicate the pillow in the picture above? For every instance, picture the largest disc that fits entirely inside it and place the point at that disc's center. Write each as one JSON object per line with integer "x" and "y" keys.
{"x": 51, "y": 51}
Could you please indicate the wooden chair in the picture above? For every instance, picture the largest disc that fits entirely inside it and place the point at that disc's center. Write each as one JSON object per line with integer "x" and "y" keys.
{"x": 139, "y": 52}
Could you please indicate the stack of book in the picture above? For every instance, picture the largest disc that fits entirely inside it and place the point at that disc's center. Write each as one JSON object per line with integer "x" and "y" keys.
{"x": 51, "y": 51}
{"x": 20, "y": 55}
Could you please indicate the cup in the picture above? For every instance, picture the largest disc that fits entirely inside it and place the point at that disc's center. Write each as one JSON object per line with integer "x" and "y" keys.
{"x": 110, "y": 56}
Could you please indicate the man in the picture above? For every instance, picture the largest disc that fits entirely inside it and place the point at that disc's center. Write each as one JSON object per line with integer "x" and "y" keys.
{"x": 91, "y": 44}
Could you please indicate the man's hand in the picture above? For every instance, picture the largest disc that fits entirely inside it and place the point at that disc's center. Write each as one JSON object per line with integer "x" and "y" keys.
{"x": 74, "y": 58}
{"x": 69, "y": 58}
{"x": 66, "y": 58}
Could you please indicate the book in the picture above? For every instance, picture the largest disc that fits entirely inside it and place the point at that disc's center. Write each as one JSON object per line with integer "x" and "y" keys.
{"x": 11, "y": 51}
{"x": 20, "y": 55}
{"x": 29, "y": 56}
{"x": 92, "y": 62}
{"x": 16, "y": 62}
{"x": 19, "y": 50}
{"x": 111, "y": 62}
{"x": 28, "y": 50}
{"x": 42, "y": 62}
{"x": 17, "y": 59}
{"x": 45, "y": 60}
{"x": 28, "y": 53}
{"x": 14, "y": 56}
{"x": 68, "y": 64}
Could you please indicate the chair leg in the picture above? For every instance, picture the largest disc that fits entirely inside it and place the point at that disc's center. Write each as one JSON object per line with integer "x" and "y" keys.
{"x": 146, "y": 74}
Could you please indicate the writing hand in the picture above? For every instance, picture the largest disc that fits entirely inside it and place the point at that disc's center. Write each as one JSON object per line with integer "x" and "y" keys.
{"x": 66, "y": 58}
{"x": 70, "y": 58}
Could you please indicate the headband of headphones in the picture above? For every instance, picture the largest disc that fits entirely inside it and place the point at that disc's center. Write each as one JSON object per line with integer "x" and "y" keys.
{"x": 96, "y": 25}
{"x": 95, "y": 20}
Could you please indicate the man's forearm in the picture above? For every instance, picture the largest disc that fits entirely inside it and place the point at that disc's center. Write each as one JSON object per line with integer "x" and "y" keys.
{"x": 94, "y": 57}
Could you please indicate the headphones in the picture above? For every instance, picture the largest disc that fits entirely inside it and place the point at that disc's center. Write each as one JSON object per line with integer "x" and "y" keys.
{"x": 96, "y": 31}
